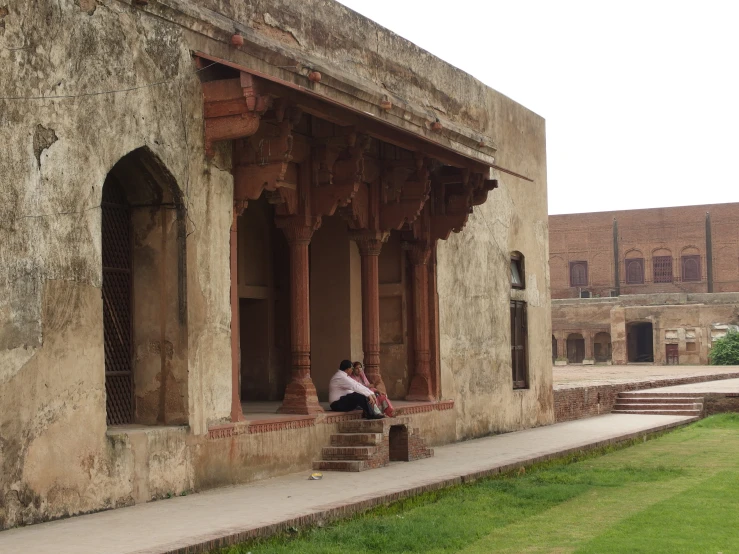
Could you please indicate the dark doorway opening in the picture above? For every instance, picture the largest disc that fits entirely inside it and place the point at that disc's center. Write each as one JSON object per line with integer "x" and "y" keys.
{"x": 399, "y": 443}
{"x": 575, "y": 348}
{"x": 640, "y": 342}
{"x": 264, "y": 309}
{"x": 554, "y": 348}
{"x": 672, "y": 354}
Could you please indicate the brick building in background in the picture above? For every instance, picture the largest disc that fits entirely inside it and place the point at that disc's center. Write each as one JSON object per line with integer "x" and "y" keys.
{"x": 656, "y": 285}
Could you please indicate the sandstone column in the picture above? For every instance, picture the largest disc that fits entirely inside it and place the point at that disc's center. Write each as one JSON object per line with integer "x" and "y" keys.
{"x": 588, "y": 336}
{"x": 300, "y": 394}
{"x": 370, "y": 244}
{"x": 421, "y": 385}
{"x": 236, "y": 412}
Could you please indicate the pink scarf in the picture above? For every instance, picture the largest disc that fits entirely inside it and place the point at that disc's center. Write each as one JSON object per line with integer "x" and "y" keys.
{"x": 361, "y": 378}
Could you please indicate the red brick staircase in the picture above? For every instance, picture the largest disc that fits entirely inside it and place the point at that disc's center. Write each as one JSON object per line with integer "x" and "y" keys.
{"x": 680, "y": 404}
{"x": 367, "y": 444}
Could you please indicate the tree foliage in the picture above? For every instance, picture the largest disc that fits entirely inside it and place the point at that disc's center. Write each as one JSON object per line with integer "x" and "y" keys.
{"x": 725, "y": 350}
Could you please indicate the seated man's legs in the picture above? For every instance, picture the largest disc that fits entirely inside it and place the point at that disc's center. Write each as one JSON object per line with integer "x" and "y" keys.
{"x": 349, "y": 402}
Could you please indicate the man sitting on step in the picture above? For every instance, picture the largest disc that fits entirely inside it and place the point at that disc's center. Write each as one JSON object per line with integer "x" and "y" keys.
{"x": 345, "y": 394}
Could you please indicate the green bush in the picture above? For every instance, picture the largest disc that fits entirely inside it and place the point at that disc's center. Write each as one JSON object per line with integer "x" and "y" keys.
{"x": 725, "y": 350}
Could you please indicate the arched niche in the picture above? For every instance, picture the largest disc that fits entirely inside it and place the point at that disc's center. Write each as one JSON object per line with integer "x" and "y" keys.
{"x": 144, "y": 293}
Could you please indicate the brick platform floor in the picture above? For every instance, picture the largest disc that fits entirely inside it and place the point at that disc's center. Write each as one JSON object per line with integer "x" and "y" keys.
{"x": 199, "y": 522}
{"x": 571, "y": 376}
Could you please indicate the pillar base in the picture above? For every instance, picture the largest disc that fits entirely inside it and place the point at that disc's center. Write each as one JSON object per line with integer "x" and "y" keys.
{"x": 420, "y": 390}
{"x": 300, "y": 398}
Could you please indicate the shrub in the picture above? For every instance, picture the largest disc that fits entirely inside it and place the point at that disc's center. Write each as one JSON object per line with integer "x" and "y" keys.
{"x": 725, "y": 350}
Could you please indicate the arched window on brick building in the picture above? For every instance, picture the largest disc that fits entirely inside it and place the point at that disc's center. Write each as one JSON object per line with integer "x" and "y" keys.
{"x": 690, "y": 264}
{"x": 662, "y": 266}
{"x": 634, "y": 270}
{"x": 578, "y": 274}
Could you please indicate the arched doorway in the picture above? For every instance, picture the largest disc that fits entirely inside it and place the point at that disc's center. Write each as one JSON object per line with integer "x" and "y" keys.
{"x": 575, "y": 348}
{"x": 640, "y": 342}
{"x": 554, "y": 348}
{"x": 602, "y": 347}
{"x": 144, "y": 293}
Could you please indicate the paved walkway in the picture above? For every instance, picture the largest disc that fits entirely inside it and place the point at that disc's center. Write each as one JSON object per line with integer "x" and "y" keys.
{"x": 725, "y": 386}
{"x": 238, "y": 512}
{"x": 574, "y": 376}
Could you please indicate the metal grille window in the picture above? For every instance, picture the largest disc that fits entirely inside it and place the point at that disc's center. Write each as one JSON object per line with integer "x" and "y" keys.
{"x": 691, "y": 268}
{"x": 662, "y": 267}
{"x": 519, "y": 336}
{"x": 578, "y": 274}
{"x": 117, "y": 294}
{"x": 634, "y": 271}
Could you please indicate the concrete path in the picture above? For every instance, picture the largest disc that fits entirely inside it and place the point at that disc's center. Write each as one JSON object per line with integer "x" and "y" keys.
{"x": 575, "y": 376}
{"x": 725, "y": 386}
{"x": 218, "y": 516}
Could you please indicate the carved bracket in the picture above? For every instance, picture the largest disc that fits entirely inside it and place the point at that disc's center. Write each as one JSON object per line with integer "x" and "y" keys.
{"x": 456, "y": 193}
{"x": 405, "y": 191}
{"x": 262, "y": 163}
{"x": 232, "y": 109}
{"x": 339, "y": 175}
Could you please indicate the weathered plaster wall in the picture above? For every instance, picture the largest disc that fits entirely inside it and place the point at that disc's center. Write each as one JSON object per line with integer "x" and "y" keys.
{"x": 55, "y": 458}
{"x": 475, "y": 292}
{"x": 86, "y": 82}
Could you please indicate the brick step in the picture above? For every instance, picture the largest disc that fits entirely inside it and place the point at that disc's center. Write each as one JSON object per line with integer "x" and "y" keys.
{"x": 348, "y": 452}
{"x": 356, "y": 439}
{"x": 340, "y": 465}
{"x": 363, "y": 426}
{"x": 656, "y": 406}
{"x": 660, "y": 412}
{"x": 661, "y": 399}
{"x": 663, "y": 395}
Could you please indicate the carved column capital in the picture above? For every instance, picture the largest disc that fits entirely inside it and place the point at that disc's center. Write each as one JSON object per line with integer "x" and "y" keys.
{"x": 419, "y": 253}
{"x": 298, "y": 229}
{"x": 369, "y": 242}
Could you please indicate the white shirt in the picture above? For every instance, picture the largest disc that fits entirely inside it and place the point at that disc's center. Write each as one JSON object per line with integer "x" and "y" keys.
{"x": 341, "y": 385}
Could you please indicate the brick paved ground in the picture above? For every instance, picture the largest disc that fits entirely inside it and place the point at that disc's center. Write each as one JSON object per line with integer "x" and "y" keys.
{"x": 238, "y": 512}
{"x": 581, "y": 376}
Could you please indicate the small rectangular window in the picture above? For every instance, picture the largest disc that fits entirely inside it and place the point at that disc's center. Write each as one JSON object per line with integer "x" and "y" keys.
{"x": 691, "y": 347}
{"x": 691, "y": 268}
{"x": 517, "y": 278}
{"x": 578, "y": 274}
{"x": 519, "y": 336}
{"x": 662, "y": 268}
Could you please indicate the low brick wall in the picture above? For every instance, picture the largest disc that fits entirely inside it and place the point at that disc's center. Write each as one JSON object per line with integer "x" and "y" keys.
{"x": 720, "y": 403}
{"x": 580, "y": 402}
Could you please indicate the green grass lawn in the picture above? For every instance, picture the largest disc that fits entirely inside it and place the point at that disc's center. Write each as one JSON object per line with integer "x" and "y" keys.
{"x": 678, "y": 493}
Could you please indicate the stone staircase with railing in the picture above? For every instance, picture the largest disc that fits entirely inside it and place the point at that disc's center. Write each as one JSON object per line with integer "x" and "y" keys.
{"x": 367, "y": 444}
{"x": 679, "y": 404}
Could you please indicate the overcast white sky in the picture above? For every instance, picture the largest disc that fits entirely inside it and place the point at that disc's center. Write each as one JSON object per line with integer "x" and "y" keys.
{"x": 641, "y": 98}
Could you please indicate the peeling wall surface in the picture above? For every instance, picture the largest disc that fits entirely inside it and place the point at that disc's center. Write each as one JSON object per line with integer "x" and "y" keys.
{"x": 86, "y": 82}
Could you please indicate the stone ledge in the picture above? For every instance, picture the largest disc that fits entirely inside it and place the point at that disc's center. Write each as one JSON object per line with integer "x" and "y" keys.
{"x": 256, "y": 426}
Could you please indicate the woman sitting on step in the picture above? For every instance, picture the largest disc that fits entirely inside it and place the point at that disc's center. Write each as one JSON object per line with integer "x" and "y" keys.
{"x": 383, "y": 402}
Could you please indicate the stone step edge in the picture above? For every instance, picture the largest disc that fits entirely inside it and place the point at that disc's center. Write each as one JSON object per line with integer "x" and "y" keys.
{"x": 675, "y": 407}
{"x": 659, "y": 412}
{"x": 325, "y": 465}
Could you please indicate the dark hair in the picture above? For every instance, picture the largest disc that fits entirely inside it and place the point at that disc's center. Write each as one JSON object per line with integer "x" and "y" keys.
{"x": 357, "y": 363}
{"x": 345, "y": 364}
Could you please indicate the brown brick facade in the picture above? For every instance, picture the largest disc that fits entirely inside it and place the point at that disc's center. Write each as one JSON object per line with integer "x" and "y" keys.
{"x": 684, "y": 249}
